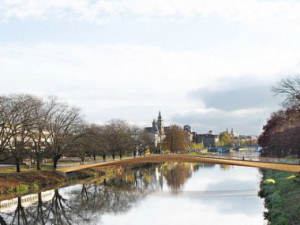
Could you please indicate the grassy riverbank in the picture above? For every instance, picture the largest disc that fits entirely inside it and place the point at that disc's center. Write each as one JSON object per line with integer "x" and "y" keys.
{"x": 14, "y": 184}
{"x": 26, "y": 181}
{"x": 32, "y": 181}
{"x": 281, "y": 191}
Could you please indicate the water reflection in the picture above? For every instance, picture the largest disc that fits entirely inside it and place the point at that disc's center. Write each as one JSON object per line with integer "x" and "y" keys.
{"x": 128, "y": 193}
{"x": 177, "y": 175}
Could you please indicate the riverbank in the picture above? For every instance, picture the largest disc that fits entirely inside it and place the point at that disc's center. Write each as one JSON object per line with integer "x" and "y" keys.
{"x": 27, "y": 182}
{"x": 281, "y": 191}
{"x": 12, "y": 185}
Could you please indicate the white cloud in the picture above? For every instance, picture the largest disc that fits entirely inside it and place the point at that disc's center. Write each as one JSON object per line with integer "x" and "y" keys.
{"x": 270, "y": 14}
{"x": 244, "y": 121}
{"x": 139, "y": 67}
{"x": 134, "y": 81}
{"x": 130, "y": 81}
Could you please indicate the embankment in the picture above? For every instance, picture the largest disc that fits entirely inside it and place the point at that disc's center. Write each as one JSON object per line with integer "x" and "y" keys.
{"x": 281, "y": 191}
{"x": 14, "y": 184}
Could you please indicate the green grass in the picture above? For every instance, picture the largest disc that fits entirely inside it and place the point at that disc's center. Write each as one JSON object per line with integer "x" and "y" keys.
{"x": 22, "y": 188}
{"x": 24, "y": 169}
{"x": 34, "y": 186}
{"x": 195, "y": 153}
{"x": 281, "y": 191}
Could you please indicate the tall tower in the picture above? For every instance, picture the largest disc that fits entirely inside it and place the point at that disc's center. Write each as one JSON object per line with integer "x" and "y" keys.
{"x": 160, "y": 124}
{"x": 154, "y": 126}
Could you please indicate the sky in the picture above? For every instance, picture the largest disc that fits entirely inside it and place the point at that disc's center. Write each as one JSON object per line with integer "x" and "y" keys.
{"x": 207, "y": 63}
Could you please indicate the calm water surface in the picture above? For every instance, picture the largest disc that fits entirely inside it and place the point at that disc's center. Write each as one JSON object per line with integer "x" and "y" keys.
{"x": 174, "y": 193}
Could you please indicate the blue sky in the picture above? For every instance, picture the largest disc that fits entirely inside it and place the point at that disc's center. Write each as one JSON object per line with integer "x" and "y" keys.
{"x": 210, "y": 64}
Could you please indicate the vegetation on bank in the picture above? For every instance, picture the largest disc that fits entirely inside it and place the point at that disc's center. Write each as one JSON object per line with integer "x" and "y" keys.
{"x": 12, "y": 183}
{"x": 27, "y": 181}
{"x": 32, "y": 181}
{"x": 281, "y": 138}
{"x": 281, "y": 191}
{"x": 281, "y": 134}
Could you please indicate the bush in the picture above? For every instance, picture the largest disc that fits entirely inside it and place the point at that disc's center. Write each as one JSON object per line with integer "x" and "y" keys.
{"x": 22, "y": 188}
{"x": 281, "y": 196}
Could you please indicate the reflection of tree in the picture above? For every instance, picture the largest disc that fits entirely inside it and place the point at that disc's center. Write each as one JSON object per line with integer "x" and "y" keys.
{"x": 85, "y": 203}
{"x": 225, "y": 167}
{"x": 57, "y": 211}
{"x": 60, "y": 210}
{"x": 38, "y": 215}
{"x": 177, "y": 175}
{"x": 2, "y": 222}
{"x": 202, "y": 165}
{"x": 19, "y": 216}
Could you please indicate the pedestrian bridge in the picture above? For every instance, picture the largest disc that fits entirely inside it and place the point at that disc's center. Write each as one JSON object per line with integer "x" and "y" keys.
{"x": 185, "y": 158}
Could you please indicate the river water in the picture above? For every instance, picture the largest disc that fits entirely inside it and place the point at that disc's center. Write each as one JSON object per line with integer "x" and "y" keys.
{"x": 169, "y": 193}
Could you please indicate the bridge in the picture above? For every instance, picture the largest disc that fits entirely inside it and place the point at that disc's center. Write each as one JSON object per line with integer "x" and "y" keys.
{"x": 186, "y": 158}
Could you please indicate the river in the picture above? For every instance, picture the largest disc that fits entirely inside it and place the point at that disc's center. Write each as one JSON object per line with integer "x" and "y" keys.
{"x": 169, "y": 193}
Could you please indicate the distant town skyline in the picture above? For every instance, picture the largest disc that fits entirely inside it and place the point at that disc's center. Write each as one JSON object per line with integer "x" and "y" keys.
{"x": 159, "y": 122}
{"x": 208, "y": 64}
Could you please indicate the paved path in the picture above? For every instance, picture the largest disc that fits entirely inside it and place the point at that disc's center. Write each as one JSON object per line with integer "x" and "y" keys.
{"x": 186, "y": 158}
{"x": 4, "y": 166}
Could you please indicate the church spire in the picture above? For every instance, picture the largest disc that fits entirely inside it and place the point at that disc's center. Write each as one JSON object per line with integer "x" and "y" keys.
{"x": 159, "y": 116}
{"x": 160, "y": 124}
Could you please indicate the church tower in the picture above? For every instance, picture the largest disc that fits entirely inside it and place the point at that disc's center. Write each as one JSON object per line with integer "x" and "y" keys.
{"x": 160, "y": 124}
{"x": 155, "y": 127}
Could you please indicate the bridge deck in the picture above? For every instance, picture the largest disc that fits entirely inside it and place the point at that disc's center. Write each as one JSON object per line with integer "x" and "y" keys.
{"x": 186, "y": 158}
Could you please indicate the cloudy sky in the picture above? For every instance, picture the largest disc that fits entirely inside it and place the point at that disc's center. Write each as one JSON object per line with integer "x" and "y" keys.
{"x": 207, "y": 63}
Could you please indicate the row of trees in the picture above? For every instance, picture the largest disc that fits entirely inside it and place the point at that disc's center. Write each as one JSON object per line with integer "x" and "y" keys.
{"x": 35, "y": 128}
{"x": 281, "y": 134}
{"x": 30, "y": 127}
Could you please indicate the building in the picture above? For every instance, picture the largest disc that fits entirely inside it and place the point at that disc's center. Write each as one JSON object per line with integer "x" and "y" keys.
{"x": 209, "y": 140}
{"x": 189, "y": 133}
{"x": 158, "y": 130}
{"x": 187, "y": 128}
{"x": 233, "y": 134}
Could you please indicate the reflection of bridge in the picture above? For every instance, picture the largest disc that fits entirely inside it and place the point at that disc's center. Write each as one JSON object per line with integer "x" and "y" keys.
{"x": 187, "y": 158}
{"x": 27, "y": 200}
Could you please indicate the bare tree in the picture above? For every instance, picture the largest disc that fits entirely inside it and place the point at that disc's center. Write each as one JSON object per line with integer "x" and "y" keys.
{"x": 100, "y": 144}
{"x": 290, "y": 89}
{"x": 40, "y": 135}
{"x": 20, "y": 123}
{"x": 82, "y": 146}
{"x": 119, "y": 137}
{"x": 62, "y": 129}
{"x": 143, "y": 141}
{"x": 5, "y": 136}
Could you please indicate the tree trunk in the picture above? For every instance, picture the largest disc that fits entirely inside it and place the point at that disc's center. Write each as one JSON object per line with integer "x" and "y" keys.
{"x": 18, "y": 168}
{"x": 113, "y": 156}
{"x": 38, "y": 163}
{"x": 55, "y": 160}
{"x": 104, "y": 157}
{"x": 55, "y": 163}
{"x": 94, "y": 157}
